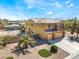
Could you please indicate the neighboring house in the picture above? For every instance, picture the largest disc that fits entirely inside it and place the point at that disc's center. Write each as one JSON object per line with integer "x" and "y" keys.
{"x": 12, "y": 27}
{"x": 46, "y": 29}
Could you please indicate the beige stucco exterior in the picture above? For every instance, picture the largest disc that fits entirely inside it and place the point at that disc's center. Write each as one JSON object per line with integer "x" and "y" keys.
{"x": 39, "y": 28}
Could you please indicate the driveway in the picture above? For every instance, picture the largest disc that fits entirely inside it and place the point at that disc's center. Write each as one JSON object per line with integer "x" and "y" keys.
{"x": 70, "y": 47}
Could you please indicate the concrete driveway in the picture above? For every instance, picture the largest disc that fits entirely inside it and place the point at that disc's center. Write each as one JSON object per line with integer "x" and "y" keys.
{"x": 68, "y": 46}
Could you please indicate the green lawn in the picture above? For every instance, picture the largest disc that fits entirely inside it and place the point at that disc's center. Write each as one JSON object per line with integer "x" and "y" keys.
{"x": 9, "y": 57}
{"x": 44, "y": 53}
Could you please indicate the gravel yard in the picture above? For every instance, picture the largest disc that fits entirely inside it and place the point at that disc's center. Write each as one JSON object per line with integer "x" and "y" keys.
{"x": 33, "y": 53}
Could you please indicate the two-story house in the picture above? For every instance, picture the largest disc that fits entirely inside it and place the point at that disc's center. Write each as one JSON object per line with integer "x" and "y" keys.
{"x": 46, "y": 29}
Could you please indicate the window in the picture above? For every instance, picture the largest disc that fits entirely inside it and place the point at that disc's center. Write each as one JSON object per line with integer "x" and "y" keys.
{"x": 62, "y": 25}
{"x": 48, "y": 25}
{"x": 31, "y": 24}
{"x": 55, "y": 27}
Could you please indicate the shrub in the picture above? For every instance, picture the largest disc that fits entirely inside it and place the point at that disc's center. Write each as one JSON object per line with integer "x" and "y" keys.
{"x": 54, "y": 49}
{"x": 9, "y": 57}
{"x": 44, "y": 53}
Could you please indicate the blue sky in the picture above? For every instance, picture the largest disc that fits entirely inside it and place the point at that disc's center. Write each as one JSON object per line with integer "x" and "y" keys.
{"x": 23, "y": 9}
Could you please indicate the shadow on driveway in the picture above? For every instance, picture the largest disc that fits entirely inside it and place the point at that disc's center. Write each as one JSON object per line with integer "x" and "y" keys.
{"x": 43, "y": 41}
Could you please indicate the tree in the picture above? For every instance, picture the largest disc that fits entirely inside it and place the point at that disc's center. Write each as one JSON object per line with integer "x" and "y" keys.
{"x": 23, "y": 45}
{"x": 54, "y": 49}
{"x": 1, "y": 24}
{"x": 77, "y": 29}
{"x": 26, "y": 41}
{"x": 71, "y": 25}
{"x": 5, "y": 40}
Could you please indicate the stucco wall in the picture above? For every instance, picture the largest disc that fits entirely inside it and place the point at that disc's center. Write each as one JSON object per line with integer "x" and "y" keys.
{"x": 39, "y": 28}
{"x": 58, "y": 34}
{"x": 53, "y": 35}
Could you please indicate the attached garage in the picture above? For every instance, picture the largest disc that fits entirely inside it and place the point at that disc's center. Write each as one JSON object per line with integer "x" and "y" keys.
{"x": 49, "y": 36}
{"x": 58, "y": 34}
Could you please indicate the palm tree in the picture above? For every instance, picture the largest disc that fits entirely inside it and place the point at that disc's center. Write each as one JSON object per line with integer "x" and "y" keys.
{"x": 23, "y": 45}
{"x": 26, "y": 41}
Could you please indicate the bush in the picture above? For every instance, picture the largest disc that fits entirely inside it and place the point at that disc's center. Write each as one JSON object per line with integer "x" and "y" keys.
{"x": 9, "y": 57}
{"x": 44, "y": 53}
{"x": 54, "y": 49}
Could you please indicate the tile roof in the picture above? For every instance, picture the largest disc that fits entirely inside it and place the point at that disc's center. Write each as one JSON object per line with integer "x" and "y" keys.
{"x": 44, "y": 20}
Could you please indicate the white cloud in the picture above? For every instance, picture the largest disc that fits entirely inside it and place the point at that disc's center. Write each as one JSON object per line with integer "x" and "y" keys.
{"x": 49, "y": 13}
{"x": 67, "y": 2}
{"x": 41, "y": 4}
{"x": 63, "y": 14}
{"x": 42, "y": 8}
{"x": 10, "y": 17}
{"x": 29, "y": 7}
{"x": 30, "y": 3}
{"x": 58, "y": 4}
{"x": 34, "y": 3}
{"x": 8, "y": 14}
{"x": 70, "y": 5}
